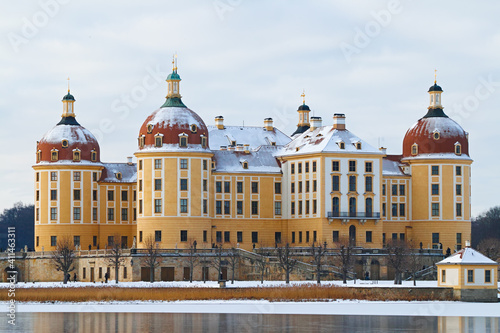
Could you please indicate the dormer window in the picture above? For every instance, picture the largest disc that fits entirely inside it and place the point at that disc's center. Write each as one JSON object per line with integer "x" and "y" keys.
{"x": 244, "y": 164}
{"x": 273, "y": 143}
{"x": 414, "y": 149}
{"x": 203, "y": 141}
{"x": 458, "y": 149}
{"x": 357, "y": 145}
{"x": 150, "y": 128}
{"x": 183, "y": 140}
{"x": 64, "y": 143}
{"x": 38, "y": 156}
{"x": 93, "y": 155}
{"x": 76, "y": 155}
{"x": 436, "y": 135}
{"x": 341, "y": 144}
{"x": 194, "y": 128}
{"x": 118, "y": 175}
{"x": 54, "y": 155}
{"x": 141, "y": 141}
{"x": 158, "y": 140}
{"x": 233, "y": 143}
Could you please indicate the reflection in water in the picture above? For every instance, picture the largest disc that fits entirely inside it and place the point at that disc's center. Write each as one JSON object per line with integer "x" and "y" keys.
{"x": 208, "y": 323}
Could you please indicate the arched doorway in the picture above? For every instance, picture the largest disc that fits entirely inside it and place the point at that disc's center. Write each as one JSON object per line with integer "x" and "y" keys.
{"x": 352, "y": 235}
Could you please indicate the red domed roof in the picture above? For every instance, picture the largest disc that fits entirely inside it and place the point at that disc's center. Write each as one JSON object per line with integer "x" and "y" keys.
{"x": 423, "y": 133}
{"x": 171, "y": 123}
{"x": 68, "y": 136}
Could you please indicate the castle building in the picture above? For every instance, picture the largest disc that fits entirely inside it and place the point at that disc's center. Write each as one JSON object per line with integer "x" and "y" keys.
{"x": 246, "y": 186}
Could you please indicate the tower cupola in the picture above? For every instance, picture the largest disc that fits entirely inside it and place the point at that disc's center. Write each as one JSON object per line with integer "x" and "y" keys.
{"x": 303, "y": 111}
{"x": 68, "y": 105}
{"x": 174, "y": 81}
{"x": 435, "y": 92}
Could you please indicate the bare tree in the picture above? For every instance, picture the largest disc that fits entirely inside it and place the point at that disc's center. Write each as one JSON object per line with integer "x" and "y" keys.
{"x": 262, "y": 263}
{"x": 286, "y": 261}
{"x": 192, "y": 259}
{"x": 152, "y": 256}
{"x": 233, "y": 259}
{"x": 63, "y": 258}
{"x": 218, "y": 261}
{"x": 490, "y": 247}
{"x": 318, "y": 257}
{"x": 414, "y": 262}
{"x": 397, "y": 258}
{"x": 344, "y": 259}
{"x": 115, "y": 256}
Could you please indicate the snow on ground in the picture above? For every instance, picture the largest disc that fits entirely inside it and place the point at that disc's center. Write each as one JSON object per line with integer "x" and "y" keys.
{"x": 335, "y": 307}
{"x": 215, "y": 284}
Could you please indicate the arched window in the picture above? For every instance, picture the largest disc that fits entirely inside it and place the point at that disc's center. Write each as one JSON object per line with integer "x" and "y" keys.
{"x": 141, "y": 141}
{"x": 76, "y": 155}
{"x": 38, "y": 156}
{"x": 93, "y": 155}
{"x": 352, "y": 183}
{"x": 458, "y": 149}
{"x": 203, "y": 141}
{"x": 158, "y": 140}
{"x": 341, "y": 145}
{"x": 245, "y": 165}
{"x": 414, "y": 149}
{"x": 369, "y": 207}
{"x": 352, "y": 207}
{"x": 335, "y": 206}
{"x": 54, "y": 155}
{"x": 183, "y": 140}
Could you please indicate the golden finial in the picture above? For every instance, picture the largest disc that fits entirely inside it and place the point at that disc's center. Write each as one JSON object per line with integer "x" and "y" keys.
{"x": 303, "y": 97}
{"x": 68, "y": 84}
{"x": 435, "y": 76}
{"x": 174, "y": 62}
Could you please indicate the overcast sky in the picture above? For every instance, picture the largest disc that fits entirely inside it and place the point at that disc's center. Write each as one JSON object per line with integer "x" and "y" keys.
{"x": 247, "y": 60}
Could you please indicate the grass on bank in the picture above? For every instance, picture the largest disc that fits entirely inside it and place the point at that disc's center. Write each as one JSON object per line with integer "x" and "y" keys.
{"x": 295, "y": 294}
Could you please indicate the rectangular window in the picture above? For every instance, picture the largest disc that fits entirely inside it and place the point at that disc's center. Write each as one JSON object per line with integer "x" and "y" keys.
{"x": 218, "y": 187}
{"x": 315, "y": 185}
{"x": 435, "y": 189}
{"x": 307, "y": 186}
{"x": 383, "y": 189}
{"x": 53, "y": 240}
{"x": 157, "y": 235}
{"x": 227, "y": 207}
{"x": 255, "y": 237}
{"x": 205, "y": 185}
{"x": 239, "y": 207}
{"x": 292, "y": 169}
{"x": 135, "y": 214}
{"x": 157, "y": 164}
{"x": 307, "y": 236}
{"x": 368, "y": 236}
{"x": 184, "y": 184}
{"x": 38, "y": 176}
{"x": 218, "y": 207}
{"x": 76, "y": 176}
{"x": 76, "y": 213}
{"x": 184, "y": 163}
{"x": 227, "y": 187}
{"x": 315, "y": 206}
{"x": 94, "y": 240}
{"x": 239, "y": 236}
{"x": 205, "y": 206}
{"x": 487, "y": 276}
{"x": 394, "y": 189}
{"x": 53, "y": 175}
{"x": 394, "y": 210}
{"x": 335, "y": 166}
{"x": 459, "y": 209}
{"x": 352, "y": 183}
{"x": 315, "y": 236}
{"x": 205, "y": 236}
{"x": 443, "y": 275}
{"x": 277, "y": 208}
{"x": 277, "y": 237}
{"x": 111, "y": 195}
{"x": 300, "y": 187}
{"x": 458, "y": 170}
{"x": 205, "y": 165}
{"x": 368, "y": 166}
{"x": 307, "y": 206}
{"x": 458, "y": 189}
{"x": 239, "y": 187}
{"x": 157, "y": 184}
{"x": 470, "y": 276}
{"x": 53, "y": 194}
{"x": 307, "y": 166}
{"x": 394, "y": 236}
{"x": 335, "y": 183}
{"x": 111, "y": 240}
{"x": 383, "y": 209}
{"x": 140, "y": 164}
{"x": 435, "y": 209}
{"x": 459, "y": 238}
{"x": 435, "y": 237}
{"x": 76, "y": 195}
{"x": 335, "y": 236}
{"x": 140, "y": 206}
{"x": 124, "y": 214}
{"x": 111, "y": 214}
{"x": 125, "y": 272}
{"x": 255, "y": 207}
{"x": 300, "y": 207}
{"x": 300, "y": 236}
{"x": 293, "y": 236}
{"x": 314, "y": 166}
{"x": 94, "y": 195}
{"x": 383, "y": 238}
{"x": 94, "y": 213}
{"x": 292, "y": 188}
{"x": 76, "y": 241}
{"x": 352, "y": 166}
{"x": 140, "y": 184}
{"x": 37, "y": 195}
{"x": 292, "y": 208}
{"x": 124, "y": 195}
{"x": 402, "y": 210}
{"x": 38, "y": 214}
{"x": 255, "y": 187}
{"x": 227, "y": 237}
{"x": 184, "y": 206}
{"x": 435, "y": 170}
{"x": 184, "y": 235}
{"x": 368, "y": 184}
{"x": 53, "y": 213}
{"x": 218, "y": 236}
{"x": 277, "y": 188}
{"x": 401, "y": 189}
{"x": 299, "y": 167}
{"x": 157, "y": 205}
{"x": 140, "y": 236}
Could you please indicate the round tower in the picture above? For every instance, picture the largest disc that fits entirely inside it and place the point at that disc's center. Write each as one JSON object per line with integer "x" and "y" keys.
{"x": 437, "y": 150}
{"x": 174, "y": 163}
{"x": 67, "y": 169}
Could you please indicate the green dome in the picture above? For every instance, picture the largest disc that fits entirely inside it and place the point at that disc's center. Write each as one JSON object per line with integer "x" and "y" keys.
{"x": 173, "y": 76}
{"x": 69, "y": 97}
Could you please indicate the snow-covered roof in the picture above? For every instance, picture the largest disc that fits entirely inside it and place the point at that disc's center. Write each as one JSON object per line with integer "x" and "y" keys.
{"x": 391, "y": 168}
{"x": 439, "y": 156}
{"x": 467, "y": 256}
{"x": 326, "y": 139}
{"x": 128, "y": 173}
{"x": 260, "y": 160}
{"x": 253, "y": 136}
{"x": 74, "y": 134}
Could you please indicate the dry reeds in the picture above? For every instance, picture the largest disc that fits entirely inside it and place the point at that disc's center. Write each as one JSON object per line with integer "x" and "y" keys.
{"x": 295, "y": 294}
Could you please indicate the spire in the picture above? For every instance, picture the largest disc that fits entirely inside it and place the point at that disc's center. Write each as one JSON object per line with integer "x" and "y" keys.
{"x": 173, "y": 80}
{"x": 435, "y": 76}
{"x": 68, "y": 107}
{"x": 303, "y": 97}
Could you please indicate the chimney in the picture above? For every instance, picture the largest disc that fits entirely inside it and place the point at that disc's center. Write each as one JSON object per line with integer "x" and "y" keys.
{"x": 383, "y": 150}
{"x": 129, "y": 160}
{"x": 316, "y": 122}
{"x": 268, "y": 124}
{"x": 231, "y": 148}
{"x": 467, "y": 243}
{"x": 339, "y": 121}
{"x": 223, "y": 147}
{"x": 219, "y": 122}
{"x": 246, "y": 148}
{"x": 239, "y": 147}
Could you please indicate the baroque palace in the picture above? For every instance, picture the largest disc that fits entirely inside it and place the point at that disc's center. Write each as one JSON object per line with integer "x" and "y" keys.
{"x": 246, "y": 186}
